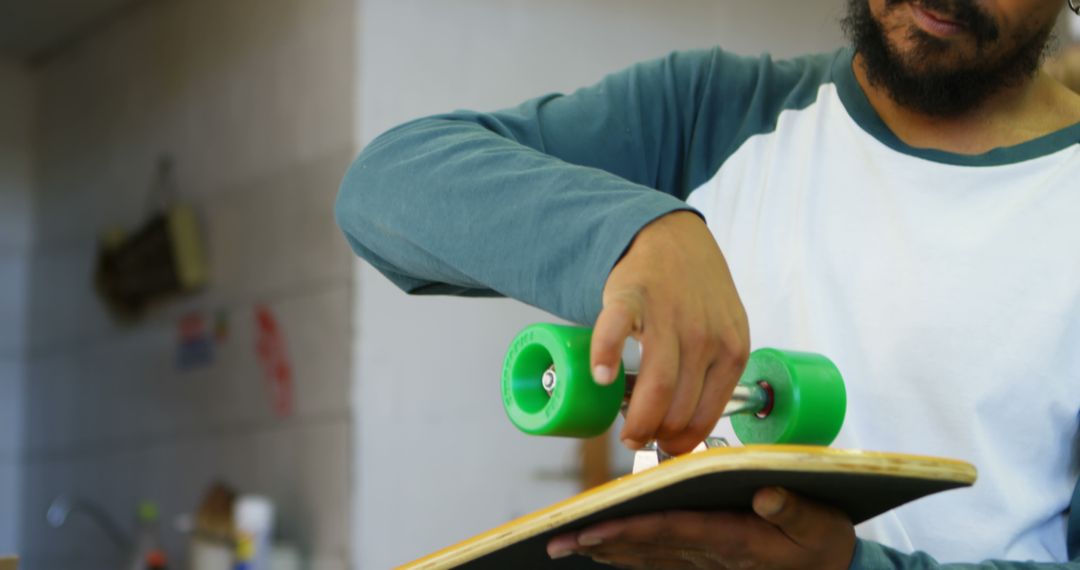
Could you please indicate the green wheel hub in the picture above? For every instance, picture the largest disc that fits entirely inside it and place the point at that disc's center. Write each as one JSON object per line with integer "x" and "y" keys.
{"x": 808, "y": 399}
{"x": 577, "y": 406}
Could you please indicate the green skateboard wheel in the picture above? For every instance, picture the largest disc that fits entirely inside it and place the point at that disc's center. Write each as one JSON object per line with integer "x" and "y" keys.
{"x": 575, "y": 406}
{"x": 807, "y": 401}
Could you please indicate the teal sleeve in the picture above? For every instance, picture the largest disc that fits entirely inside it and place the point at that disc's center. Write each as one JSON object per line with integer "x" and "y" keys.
{"x": 539, "y": 202}
{"x": 873, "y": 556}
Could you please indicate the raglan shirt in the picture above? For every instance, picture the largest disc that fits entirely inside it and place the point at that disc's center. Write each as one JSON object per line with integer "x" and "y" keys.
{"x": 945, "y": 287}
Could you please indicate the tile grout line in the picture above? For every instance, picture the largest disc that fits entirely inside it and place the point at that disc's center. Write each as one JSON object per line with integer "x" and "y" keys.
{"x": 204, "y": 199}
{"x": 121, "y": 445}
{"x": 81, "y": 343}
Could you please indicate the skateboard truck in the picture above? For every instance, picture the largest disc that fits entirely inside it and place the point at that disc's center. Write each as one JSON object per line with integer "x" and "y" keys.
{"x": 548, "y": 389}
{"x": 757, "y": 400}
{"x": 651, "y": 455}
{"x": 746, "y": 398}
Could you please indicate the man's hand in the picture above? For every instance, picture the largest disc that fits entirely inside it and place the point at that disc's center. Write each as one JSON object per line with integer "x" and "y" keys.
{"x": 673, "y": 292}
{"x": 784, "y": 532}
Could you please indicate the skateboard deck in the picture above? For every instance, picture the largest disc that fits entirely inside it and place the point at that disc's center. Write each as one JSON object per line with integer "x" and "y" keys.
{"x": 863, "y": 484}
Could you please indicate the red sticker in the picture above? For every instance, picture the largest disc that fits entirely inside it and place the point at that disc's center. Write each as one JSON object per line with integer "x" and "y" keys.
{"x": 270, "y": 346}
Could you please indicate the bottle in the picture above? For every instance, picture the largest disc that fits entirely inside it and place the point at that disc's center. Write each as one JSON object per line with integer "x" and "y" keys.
{"x": 245, "y": 551}
{"x": 254, "y": 518}
{"x": 147, "y": 537}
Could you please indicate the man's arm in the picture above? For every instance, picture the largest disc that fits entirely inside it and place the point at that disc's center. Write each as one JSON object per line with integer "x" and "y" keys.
{"x": 571, "y": 203}
{"x": 539, "y": 201}
{"x": 874, "y": 556}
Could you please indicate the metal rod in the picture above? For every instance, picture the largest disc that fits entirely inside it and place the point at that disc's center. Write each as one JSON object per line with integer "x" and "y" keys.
{"x": 746, "y": 399}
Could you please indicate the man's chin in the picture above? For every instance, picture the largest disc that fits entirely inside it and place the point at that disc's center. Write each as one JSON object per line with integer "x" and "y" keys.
{"x": 917, "y": 67}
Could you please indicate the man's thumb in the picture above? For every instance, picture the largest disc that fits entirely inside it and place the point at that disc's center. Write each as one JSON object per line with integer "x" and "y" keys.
{"x": 769, "y": 503}
{"x": 803, "y": 521}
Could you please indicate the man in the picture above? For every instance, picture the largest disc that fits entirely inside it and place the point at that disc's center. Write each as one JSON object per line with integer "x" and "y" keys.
{"x": 906, "y": 206}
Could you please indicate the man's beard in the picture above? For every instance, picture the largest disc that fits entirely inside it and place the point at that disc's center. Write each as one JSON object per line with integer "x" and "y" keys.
{"x": 955, "y": 88}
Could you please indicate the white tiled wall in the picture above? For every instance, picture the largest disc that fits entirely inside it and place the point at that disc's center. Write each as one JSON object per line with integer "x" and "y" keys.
{"x": 438, "y": 461}
{"x": 16, "y": 126}
{"x": 254, "y": 101}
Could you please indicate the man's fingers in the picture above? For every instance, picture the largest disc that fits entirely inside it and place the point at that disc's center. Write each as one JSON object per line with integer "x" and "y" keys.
{"x": 715, "y": 393}
{"x": 714, "y": 536}
{"x": 693, "y": 361}
{"x": 653, "y": 390}
{"x": 680, "y": 529}
{"x": 651, "y": 559}
{"x": 619, "y": 319}
{"x": 785, "y": 531}
{"x": 562, "y": 546}
{"x": 720, "y": 382}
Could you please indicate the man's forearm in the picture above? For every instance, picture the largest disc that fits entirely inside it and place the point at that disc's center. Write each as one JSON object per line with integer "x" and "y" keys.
{"x": 444, "y": 205}
{"x": 873, "y": 556}
{"x": 538, "y": 202}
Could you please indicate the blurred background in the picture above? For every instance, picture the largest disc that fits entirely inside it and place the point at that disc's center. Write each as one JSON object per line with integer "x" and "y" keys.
{"x": 186, "y": 343}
